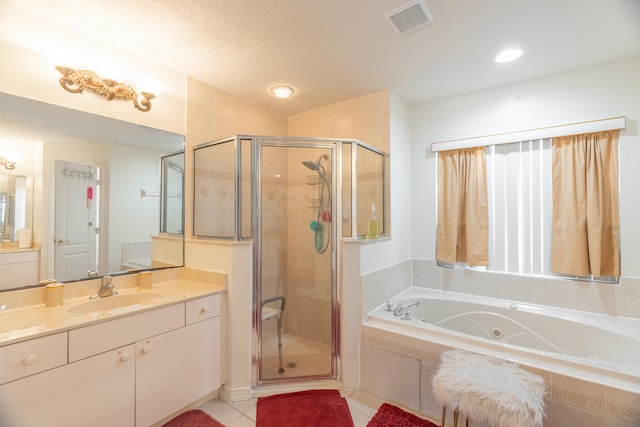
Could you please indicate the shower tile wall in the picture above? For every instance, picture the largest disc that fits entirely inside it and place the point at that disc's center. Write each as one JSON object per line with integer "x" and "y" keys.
{"x": 309, "y": 279}
{"x": 274, "y": 232}
{"x": 213, "y": 114}
{"x": 290, "y": 265}
{"x": 369, "y": 187}
{"x": 366, "y": 118}
{"x": 215, "y": 192}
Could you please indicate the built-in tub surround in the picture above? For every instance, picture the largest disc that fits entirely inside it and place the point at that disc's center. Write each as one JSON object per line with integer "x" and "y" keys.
{"x": 23, "y": 314}
{"x": 581, "y": 387}
{"x": 614, "y": 299}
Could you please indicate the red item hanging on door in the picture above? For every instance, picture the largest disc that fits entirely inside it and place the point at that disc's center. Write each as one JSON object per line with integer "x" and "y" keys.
{"x": 89, "y": 196}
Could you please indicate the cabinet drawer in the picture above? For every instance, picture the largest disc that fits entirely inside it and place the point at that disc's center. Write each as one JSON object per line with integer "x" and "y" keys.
{"x": 33, "y": 356}
{"x": 18, "y": 257}
{"x": 94, "y": 339}
{"x": 203, "y": 308}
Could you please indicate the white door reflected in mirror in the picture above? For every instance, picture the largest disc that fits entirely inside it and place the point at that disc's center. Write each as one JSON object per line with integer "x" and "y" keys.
{"x": 76, "y": 220}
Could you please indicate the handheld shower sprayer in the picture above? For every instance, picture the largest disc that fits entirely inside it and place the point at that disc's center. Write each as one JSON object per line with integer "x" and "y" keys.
{"x": 323, "y": 214}
{"x": 316, "y": 166}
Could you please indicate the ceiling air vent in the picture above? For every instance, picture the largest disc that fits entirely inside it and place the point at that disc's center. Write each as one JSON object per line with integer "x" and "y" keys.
{"x": 409, "y": 16}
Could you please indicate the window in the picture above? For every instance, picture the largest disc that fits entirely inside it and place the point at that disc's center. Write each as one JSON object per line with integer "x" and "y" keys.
{"x": 520, "y": 207}
{"x": 520, "y": 200}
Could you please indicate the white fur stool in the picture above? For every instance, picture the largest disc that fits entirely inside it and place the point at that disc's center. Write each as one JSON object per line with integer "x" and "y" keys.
{"x": 487, "y": 389}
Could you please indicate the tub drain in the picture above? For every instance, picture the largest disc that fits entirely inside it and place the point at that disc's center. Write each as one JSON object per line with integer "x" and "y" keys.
{"x": 496, "y": 332}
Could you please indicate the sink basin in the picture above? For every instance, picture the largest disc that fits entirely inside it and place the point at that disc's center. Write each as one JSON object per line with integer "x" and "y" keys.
{"x": 110, "y": 303}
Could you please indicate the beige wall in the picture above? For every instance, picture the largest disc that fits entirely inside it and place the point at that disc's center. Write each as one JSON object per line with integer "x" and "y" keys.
{"x": 365, "y": 118}
{"x": 213, "y": 114}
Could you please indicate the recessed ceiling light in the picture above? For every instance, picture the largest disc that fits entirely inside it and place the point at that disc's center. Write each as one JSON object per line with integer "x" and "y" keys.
{"x": 509, "y": 55}
{"x": 282, "y": 91}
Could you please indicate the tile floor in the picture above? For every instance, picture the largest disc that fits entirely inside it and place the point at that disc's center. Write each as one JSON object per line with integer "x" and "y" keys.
{"x": 301, "y": 357}
{"x": 363, "y": 406}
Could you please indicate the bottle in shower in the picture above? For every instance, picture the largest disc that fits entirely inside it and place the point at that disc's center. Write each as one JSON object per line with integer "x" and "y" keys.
{"x": 372, "y": 224}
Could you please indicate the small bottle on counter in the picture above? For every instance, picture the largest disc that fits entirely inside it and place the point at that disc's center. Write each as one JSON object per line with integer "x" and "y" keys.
{"x": 372, "y": 224}
{"x": 54, "y": 294}
{"x": 144, "y": 280}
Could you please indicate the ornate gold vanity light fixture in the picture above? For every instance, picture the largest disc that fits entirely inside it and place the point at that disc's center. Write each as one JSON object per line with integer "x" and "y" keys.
{"x": 9, "y": 165}
{"x": 76, "y": 81}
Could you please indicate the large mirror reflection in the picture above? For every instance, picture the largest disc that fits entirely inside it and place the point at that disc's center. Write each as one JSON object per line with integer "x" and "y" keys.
{"x": 92, "y": 190}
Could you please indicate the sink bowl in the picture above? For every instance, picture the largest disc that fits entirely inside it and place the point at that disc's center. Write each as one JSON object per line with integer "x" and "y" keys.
{"x": 113, "y": 302}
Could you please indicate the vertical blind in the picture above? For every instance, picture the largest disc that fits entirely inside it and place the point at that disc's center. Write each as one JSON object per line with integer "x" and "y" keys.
{"x": 519, "y": 186}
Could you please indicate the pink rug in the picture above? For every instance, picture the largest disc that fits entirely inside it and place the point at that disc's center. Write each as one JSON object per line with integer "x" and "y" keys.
{"x": 311, "y": 408}
{"x": 391, "y": 416}
{"x": 193, "y": 418}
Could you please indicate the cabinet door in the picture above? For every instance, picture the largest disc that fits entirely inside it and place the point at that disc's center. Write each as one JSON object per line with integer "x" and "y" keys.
{"x": 18, "y": 268}
{"x": 97, "y": 392}
{"x": 175, "y": 369}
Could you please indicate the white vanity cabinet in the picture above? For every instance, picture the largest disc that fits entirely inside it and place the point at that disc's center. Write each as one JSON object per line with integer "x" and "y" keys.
{"x": 179, "y": 367}
{"x": 33, "y": 356}
{"x": 97, "y": 391}
{"x": 128, "y": 371}
{"x": 19, "y": 268}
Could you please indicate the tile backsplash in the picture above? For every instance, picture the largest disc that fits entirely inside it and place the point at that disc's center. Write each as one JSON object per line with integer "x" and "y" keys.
{"x": 621, "y": 299}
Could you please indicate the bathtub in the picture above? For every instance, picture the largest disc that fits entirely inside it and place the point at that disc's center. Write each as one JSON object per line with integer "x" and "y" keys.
{"x": 592, "y": 347}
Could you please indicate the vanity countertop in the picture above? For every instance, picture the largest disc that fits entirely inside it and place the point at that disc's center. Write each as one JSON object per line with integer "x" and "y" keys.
{"x": 29, "y": 322}
{"x": 14, "y": 250}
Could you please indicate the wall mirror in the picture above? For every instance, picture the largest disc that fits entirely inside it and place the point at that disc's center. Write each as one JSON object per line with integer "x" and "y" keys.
{"x": 82, "y": 163}
{"x": 16, "y": 207}
{"x": 172, "y": 193}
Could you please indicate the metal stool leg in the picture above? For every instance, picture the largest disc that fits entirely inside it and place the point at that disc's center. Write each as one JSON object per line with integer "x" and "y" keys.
{"x": 278, "y": 317}
{"x": 279, "y": 325}
{"x": 455, "y": 418}
{"x": 444, "y": 415}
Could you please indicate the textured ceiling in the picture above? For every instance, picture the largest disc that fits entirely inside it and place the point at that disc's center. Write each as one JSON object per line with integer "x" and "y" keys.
{"x": 333, "y": 50}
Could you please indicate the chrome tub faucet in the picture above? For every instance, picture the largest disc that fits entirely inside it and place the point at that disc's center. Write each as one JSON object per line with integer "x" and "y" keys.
{"x": 106, "y": 288}
{"x": 402, "y": 309}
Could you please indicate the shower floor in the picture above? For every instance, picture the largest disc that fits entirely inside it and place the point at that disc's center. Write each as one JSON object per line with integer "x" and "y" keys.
{"x": 301, "y": 356}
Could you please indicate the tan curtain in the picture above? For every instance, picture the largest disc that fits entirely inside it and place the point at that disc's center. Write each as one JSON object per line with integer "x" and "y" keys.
{"x": 463, "y": 218}
{"x": 586, "y": 226}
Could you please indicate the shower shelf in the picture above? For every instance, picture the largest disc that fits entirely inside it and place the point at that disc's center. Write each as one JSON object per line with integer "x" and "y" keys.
{"x": 314, "y": 204}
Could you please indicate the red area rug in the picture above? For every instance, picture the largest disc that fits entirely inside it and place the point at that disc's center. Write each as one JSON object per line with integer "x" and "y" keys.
{"x": 311, "y": 408}
{"x": 193, "y": 418}
{"x": 391, "y": 416}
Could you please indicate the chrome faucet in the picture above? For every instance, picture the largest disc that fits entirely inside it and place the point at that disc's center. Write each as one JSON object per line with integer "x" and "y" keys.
{"x": 106, "y": 288}
{"x": 402, "y": 309}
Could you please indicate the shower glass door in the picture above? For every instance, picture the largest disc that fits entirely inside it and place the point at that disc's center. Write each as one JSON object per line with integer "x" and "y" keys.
{"x": 295, "y": 274}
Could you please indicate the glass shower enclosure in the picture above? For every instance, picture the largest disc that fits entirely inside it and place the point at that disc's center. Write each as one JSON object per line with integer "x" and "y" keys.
{"x": 294, "y": 198}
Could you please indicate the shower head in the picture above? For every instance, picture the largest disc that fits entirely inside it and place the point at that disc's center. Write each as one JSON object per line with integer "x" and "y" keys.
{"x": 316, "y": 166}
{"x": 311, "y": 165}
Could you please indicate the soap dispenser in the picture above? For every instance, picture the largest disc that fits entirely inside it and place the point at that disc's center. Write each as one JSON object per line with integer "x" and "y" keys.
{"x": 372, "y": 224}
